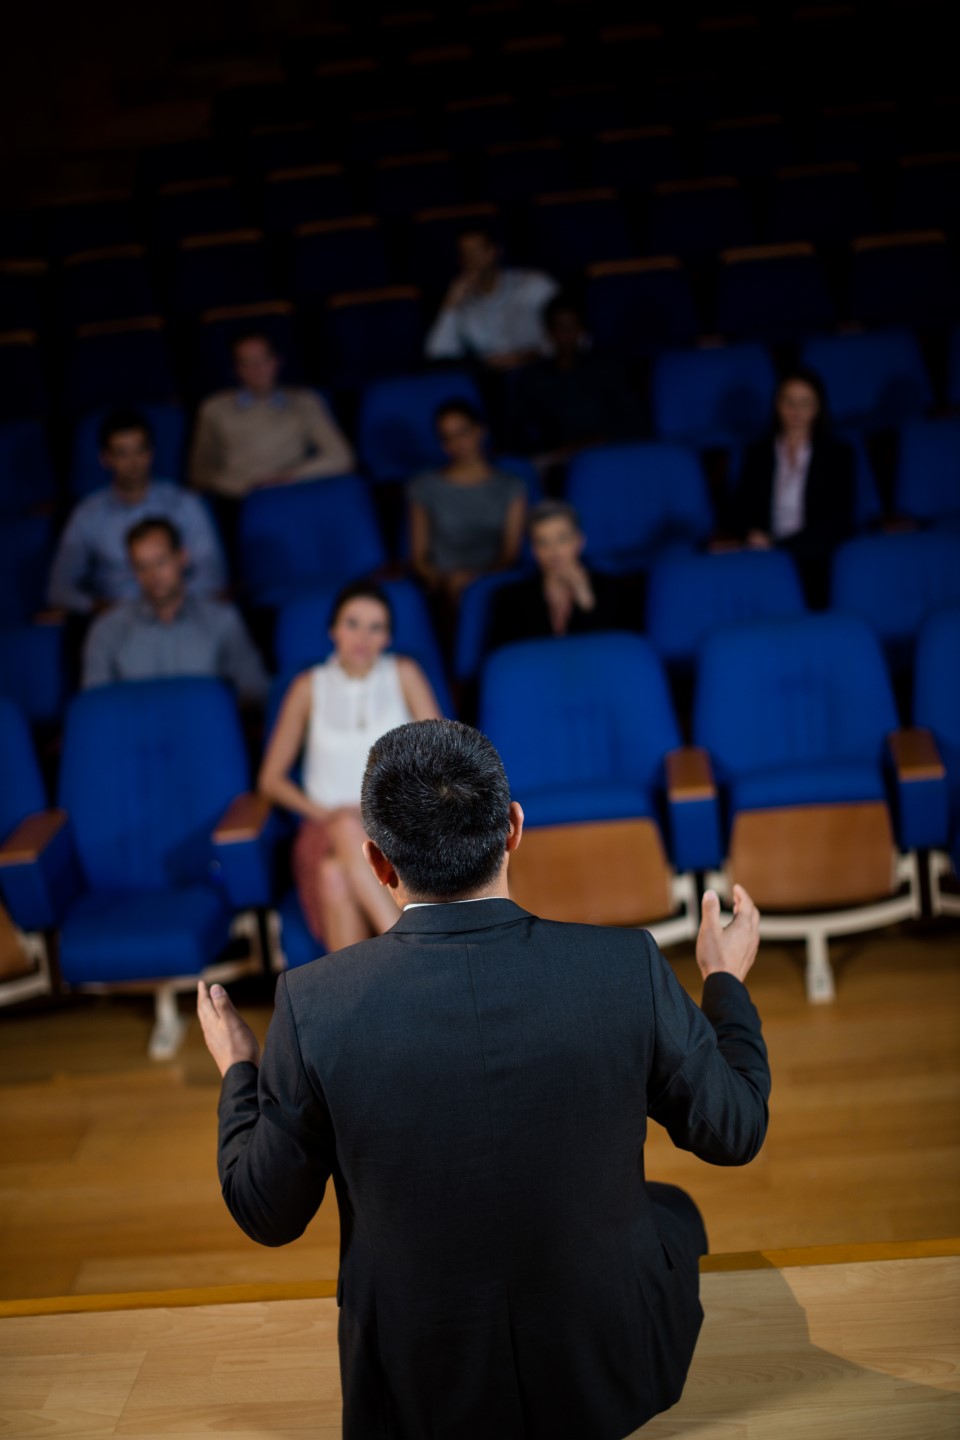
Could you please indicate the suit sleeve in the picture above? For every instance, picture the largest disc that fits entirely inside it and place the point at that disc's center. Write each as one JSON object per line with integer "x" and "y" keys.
{"x": 710, "y": 1080}
{"x": 276, "y": 1143}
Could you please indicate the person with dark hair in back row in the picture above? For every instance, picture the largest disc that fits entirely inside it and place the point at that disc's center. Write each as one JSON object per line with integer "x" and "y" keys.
{"x": 478, "y": 1083}
{"x": 92, "y": 567}
{"x": 564, "y": 597}
{"x": 797, "y": 488}
{"x": 166, "y": 631}
{"x": 467, "y": 518}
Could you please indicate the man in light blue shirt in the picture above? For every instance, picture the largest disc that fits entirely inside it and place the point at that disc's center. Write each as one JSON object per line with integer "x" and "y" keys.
{"x": 92, "y": 566}
{"x": 491, "y": 314}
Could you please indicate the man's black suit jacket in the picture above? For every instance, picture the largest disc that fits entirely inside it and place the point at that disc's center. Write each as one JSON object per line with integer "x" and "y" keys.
{"x": 477, "y": 1081}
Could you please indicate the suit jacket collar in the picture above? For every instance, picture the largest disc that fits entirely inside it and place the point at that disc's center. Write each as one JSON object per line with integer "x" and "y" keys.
{"x": 457, "y": 919}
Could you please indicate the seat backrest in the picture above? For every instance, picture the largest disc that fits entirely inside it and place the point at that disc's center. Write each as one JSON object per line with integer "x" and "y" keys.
{"x": 928, "y": 468}
{"x": 21, "y": 785}
{"x": 331, "y": 255}
{"x": 119, "y": 362}
{"x": 26, "y": 469}
{"x": 148, "y": 768}
{"x": 908, "y": 278}
{"x": 872, "y": 380}
{"x": 713, "y": 397}
{"x": 894, "y": 581}
{"x": 302, "y": 638}
{"x": 636, "y": 500}
{"x": 396, "y": 431}
{"x": 772, "y": 292}
{"x": 372, "y": 333}
{"x": 26, "y": 549}
{"x": 936, "y": 686}
{"x": 639, "y": 307}
{"x": 578, "y": 710}
{"x": 688, "y": 596}
{"x": 777, "y": 692}
{"x": 296, "y": 537}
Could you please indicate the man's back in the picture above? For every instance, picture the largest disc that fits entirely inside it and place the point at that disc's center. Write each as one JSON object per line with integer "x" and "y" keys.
{"x": 478, "y": 1081}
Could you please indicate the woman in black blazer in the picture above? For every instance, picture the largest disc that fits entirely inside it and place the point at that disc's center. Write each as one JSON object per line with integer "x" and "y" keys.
{"x": 796, "y": 487}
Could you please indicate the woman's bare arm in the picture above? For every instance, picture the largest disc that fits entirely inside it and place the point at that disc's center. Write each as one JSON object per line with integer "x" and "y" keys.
{"x": 285, "y": 744}
{"x": 417, "y": 690}
{"x": 513, "y": 526}
{"x": 420, "y": 545}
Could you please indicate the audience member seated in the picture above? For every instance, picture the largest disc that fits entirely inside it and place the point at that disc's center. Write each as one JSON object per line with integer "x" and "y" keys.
{"x": 166, "y": 631}
{"x": 263, "y": 433}
{"x": 572, "y": 397}
{"x": 91, "y": 568}
{"x": 564, "y": 598}
{"x": 466, "y": 519}
{"x": 331, "y": 715}
{"x": 491, "y": 314}
{"x": 797, "y": 488}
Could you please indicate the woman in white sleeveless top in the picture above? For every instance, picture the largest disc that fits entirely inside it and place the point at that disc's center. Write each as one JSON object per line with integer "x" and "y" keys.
{"x": 331, "y": 715}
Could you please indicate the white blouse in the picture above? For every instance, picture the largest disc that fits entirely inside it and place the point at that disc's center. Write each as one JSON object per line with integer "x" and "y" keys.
{"x": 347, "y": 713}
{"x": 788, "y": 510}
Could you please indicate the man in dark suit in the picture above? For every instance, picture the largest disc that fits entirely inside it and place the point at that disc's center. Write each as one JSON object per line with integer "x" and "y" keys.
{"x": 477, "y": 1081}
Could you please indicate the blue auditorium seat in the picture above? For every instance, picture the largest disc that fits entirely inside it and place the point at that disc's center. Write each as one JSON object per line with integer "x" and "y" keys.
{"x": 302, "y": 638}
{"x": 873, "y": 380}
{"x": 403, "y": 184}
{"x": 826, "y": 204}
{"x": 515, "y": 170}
{"x": 637, "y": 502}
{"x": 894, "y": 582}
{"x": 936, "y": 705}
{"x": 474, "y": 122}
{"x": 213, "y": 205}
{"x": 908, "y": 278}
{"x": 23, "y": 381}
{"x": 928, "y": 469}
{"x": 111, "y": 284}
{"x": 689, "y": 596}
{"x": 927, "y": 191}
{"x": 169, "y": 426}
{"x": 373, "y": 333}
{"x": 720, "y": 396}
{"x": 636, "y": 308}
{"x": 396, "y": 435}
{"x": 32, "y": 671}
{"x": 301, "y": 194}
{"x": 148, "y": 771}
{"x": 328, "y": 256}
{"x": 636, "y": 158}
{"x": 220, "y": 268}
{"x": 773, "y": 293}
{"x": 111, "y": 363}
{"x": 294, "y": 538}
{"x": 474, "y": 617}
{"x": 571, "y": 229}
{"x": 26, "y": 469}
{"x": 601, "y": 759}
{"x": 795, "y": 715}
{"x": 697, "y": 218}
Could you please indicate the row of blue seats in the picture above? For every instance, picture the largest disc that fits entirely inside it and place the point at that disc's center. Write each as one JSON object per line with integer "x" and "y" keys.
{"x": 144, "y": 865}
{"x": 711, "y": 397}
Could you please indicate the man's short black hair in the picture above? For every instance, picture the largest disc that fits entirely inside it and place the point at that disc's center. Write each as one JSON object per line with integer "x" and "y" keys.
{"x": 120, "y": 420}
{"x": 152, "y": 525}
{"x": 436, "y": 802}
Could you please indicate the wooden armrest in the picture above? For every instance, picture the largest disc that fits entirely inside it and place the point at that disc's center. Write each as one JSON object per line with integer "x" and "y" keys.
{"x": 31, "y": 837}
{"x": 243, "y": 819}
{"x": 49, "y": 617}
{"x": 689, "y": 776}
{"x": 915, "y": 755}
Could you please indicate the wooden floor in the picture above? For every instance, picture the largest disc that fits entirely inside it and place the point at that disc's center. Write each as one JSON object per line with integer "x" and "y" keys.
{"x": 107, "y": 1161}
{"x": 842, "y": 1352}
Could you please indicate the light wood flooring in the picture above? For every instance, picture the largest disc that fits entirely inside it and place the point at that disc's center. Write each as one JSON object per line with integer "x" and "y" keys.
{"x": 107, "y": 1160}
{"x": 843, "y": 1352}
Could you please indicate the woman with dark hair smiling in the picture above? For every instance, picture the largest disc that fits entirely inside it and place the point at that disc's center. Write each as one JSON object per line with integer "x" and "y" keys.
{"x": 330, "y": 716}
{"x": 796, "y": 488}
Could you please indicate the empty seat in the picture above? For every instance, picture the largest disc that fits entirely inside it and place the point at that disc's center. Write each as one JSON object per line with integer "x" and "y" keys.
{"x": 688, "y": 596}
{"x": 26, "y": 470}
{"x": 894, "y": 582}
{"x": 396, "y": 434}
{"x": 23, "y": 382}
{"x": 697, "y": 218}
{"x": 282, "y": 147}
{"x": 928, "y": 469}
{"x": 221, "y": 269}
{"x": 862, "y": 131}
{"x": 773, "y": 293}
{"x": 23, "y": 294}
{"x": 472, "y": 123}
{"x": 112, "y": 284}
{"x": 904, "y": 279}
{"x": 168, "y": 426}
{"x": 637, "y": 502}
{"x": 301, "y": 194}
{"x": 634, "y": 159}
{"x": 105, "y": 220}
{"x": 872, "y": 380}
{"x": 26, "y": 549}
{"x": 720, "y": 396}
{"x": 513, "y": 171}
{"x": 636, "y": 308}
{"x": 114, "y": 362}
{"x": 328, "y": 256}
{"x": 927, "y": 192}
{"x": 574, "y": 111}
{"x": 371, "y": 333}
{"x": 572, "y": 229}
{"x": 302, "y": 640}
{"x": 751, "y": 147}
{"x": 376, "y": 133}
{"x": 795, "y": 715}
{"x": 205, "y": 206}
{"x": 403, "y": 184}
{"x": 295, "y": 538}
{"x": 824, "y": 204}
{"x": 936, "y": 705}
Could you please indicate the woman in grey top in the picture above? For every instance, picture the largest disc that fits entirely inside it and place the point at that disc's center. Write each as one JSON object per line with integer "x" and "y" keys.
{"x": 467, "y": 518}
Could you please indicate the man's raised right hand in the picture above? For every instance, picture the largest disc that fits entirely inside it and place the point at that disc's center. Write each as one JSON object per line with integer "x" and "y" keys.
{"x": 732, "y": 948}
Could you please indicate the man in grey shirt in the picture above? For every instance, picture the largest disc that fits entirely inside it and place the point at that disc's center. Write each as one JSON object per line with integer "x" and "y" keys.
{"x": 167, "y": 631}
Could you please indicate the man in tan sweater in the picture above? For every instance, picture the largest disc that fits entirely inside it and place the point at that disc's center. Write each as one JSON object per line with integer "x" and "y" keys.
{"x": 262, "y": 433}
